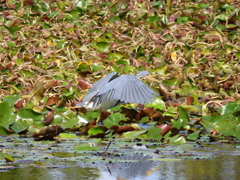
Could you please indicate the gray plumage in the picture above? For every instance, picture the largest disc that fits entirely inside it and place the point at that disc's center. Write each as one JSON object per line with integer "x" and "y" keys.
{"x": 113, "y": 90}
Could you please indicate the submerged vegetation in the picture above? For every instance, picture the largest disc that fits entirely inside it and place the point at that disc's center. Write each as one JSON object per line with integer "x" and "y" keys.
{"x": 51, "y": 52}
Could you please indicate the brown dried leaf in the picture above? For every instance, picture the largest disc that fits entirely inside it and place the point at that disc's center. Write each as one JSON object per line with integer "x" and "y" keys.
{"x": 123, "y": 129}
{"x": 48, "y": 118}
{"x": 48, "y": 132}
{"x": 165, "y": 128}
{"x": 131, "y": 113}
{"x": 189, "y": 100}
{"x": 19, "y": 104}
{"x": 84, "y": 84}
{"x": 147, "y": 112}
{"x": 53, "y": 100}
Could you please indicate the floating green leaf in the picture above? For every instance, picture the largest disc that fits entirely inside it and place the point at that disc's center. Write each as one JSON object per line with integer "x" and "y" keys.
{"x": 67, "y": 135}
{"x": 182, "y": 20}
{"x": 54, "y": 14}
{"x": 157, "y": 104}
{"x": 152, "y": 19}
{"x": 7, "y": 157}
{"x": 7, "y": 117}
{"x": 193, "y": 136}
{"x": 102, "y": 46}
{"x": 154, "y": 133}
{"x": 21, "y": 125}
{"x": 95, "y": 131}
{"x": 85, "y": 147}
{"x": 182, "y": 118}
{"x": 11, "y": 99}
{"x": 133, "y": 134}
{"x": 231, "y": 107}
{"x": 28, "y": 114}
{"x": 113, "y": 119}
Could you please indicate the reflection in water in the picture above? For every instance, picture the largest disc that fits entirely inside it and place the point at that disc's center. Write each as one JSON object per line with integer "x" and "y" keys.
{"x": 34, "y": 173}
{"x": 129, "y": 166}
{"x": 220, "y": 167}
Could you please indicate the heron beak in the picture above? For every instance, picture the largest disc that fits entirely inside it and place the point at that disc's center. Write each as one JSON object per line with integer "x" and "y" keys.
{"x": 153, "y": 79}
{"x": 161, "y": 84}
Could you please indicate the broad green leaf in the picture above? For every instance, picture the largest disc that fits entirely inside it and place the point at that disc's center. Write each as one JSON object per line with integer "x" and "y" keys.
{"x": 133, "y": 134}
{"x": 82, "y": 4}
{"x": 7, "y": 157}
{"x": 113, "y": 19}
{"x": 154, "y": 133}
{"x": 67, "y": 135}
{"x": 193, "y": 136}
{"x": 228, "y": 108}
{"x": 3, "y": 131}
{"x": 61, "y": 4}
{"x": 83, "y": 66}
{"x": 70, "y": 123}
{"x": 9, "y": 24}
{"x": 203, "y": 5}
{"x": 7, "y": 117}
{"x": 95, "y": 131}
{"x": 152, "y": 19}
{"x": 171, "y": 82}
{"x": 21, "y": 125}
{"x": 144, "y": 119}
{"x": 177, "y": 140}
{"x": 228, "y": 7}
{"x": 64, "y": 154}
{"x": 113, "y": 119}
{"x": 95, "y": 67}
{"x": 122, "y": 62}
{"x": 129, "y": 69}
{"x": 93, "y": 114}
{"x": 183, "y": 118}
{"x": 68, "y": 93}
{"x": 28, "y": 114}
{"x": 181, "y": 20}
{"x": 237, "y": 131}
{"x": 161, "y": 69}
{"x": 11, "y": 99}
{"x": 116, "y": 108}
{"x": 157, "y": 4}
{"x": 54, "y": 14}
{"x": 190, "y": 108}
{"x": 157, "y": 104}
{"x": 10, "y": 44}
{"x": 86, "y": 147}
{"x": 223, "y": 17}
{"x": 12, "y": 30}
{"x": 116, "y": 69}
{"x": 217, "y": 119}
{"x": 102, "y": 46}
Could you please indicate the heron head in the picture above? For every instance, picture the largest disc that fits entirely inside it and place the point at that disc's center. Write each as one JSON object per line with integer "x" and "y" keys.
{"x": 142, "y": 74}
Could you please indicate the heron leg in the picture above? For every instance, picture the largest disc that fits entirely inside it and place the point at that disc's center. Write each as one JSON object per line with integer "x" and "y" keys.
{"x": 98, "y": 119}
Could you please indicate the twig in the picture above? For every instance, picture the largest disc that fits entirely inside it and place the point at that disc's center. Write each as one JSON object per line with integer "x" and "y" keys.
{"x": 104, "y": 153}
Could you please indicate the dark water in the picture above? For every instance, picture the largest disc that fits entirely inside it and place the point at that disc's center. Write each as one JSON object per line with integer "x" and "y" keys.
{"x": 218, "y": 167}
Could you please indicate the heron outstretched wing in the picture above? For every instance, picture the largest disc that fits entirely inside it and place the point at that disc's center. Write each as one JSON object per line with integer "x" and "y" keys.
{"x": 127, "y": 89}
{"x": 96, "y": 88}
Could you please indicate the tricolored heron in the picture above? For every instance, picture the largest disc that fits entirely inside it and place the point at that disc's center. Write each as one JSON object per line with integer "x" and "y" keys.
{"x": 113, "y": 90}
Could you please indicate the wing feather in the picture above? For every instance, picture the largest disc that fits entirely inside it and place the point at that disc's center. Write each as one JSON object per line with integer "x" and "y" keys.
{"x": 99, "y": 85}
{"x": 126, "y": 89}
{"x": 148, "y": 93}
